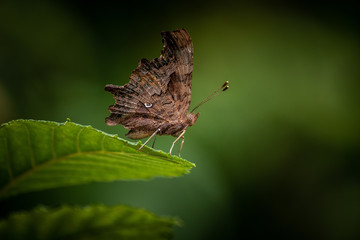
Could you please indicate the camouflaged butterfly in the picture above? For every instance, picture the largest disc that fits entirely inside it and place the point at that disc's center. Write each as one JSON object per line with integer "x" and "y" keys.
{"x": 157, "y": 98}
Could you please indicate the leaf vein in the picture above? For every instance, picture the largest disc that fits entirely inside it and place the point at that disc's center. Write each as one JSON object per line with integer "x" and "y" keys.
{"x": 53, "y": 152}
{"x": 78, "y": 140}
{"x": 8, "y": 157}
{"x": 31, "y": 150}
{"x": 102, "y": 143}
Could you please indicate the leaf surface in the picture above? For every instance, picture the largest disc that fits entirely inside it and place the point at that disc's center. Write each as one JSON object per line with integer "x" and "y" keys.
{"x": 92, "y": 222}
{"x": 38, "y": 155}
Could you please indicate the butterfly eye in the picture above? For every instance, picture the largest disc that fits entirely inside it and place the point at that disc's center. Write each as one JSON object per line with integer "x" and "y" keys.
{"x": 148, "y": 105}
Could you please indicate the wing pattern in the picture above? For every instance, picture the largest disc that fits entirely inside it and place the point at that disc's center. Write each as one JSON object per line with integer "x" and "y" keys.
{"x": 159, "y": 91}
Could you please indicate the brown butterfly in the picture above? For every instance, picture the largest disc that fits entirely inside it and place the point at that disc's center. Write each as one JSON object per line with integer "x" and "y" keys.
{"x": 157, "y": 98}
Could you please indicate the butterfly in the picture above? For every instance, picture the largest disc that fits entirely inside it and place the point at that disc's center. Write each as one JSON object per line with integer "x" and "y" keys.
{"x": 157, "y": 98}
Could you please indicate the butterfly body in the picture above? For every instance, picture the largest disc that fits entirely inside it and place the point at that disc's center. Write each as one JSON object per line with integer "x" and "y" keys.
{"x": 157, "y": 98}
{"x": 174, "y": 128}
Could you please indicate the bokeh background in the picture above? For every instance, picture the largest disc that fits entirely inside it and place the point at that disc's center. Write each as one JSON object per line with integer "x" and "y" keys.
{"x": 277, "y": 155}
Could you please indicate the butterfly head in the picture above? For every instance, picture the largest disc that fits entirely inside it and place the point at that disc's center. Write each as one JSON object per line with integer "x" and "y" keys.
{"x": 191, "y": 118}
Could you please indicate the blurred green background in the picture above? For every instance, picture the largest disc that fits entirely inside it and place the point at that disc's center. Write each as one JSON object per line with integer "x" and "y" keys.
{"x": 277, "y": 155}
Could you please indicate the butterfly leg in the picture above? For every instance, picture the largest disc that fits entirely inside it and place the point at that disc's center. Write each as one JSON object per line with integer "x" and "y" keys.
{"x": 182, "y": 142}
{"x": 154, "y": 142}
{"x": 149, "y": 139}
{"x": 172, "y": 146}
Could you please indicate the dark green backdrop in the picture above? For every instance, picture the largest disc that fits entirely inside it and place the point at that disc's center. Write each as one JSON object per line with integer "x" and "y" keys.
{"x": 277, "y": 155}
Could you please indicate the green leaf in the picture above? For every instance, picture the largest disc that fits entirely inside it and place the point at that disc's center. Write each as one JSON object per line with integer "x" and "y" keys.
{"x": 37, "y": 155}
{"x": 92, "y": 222}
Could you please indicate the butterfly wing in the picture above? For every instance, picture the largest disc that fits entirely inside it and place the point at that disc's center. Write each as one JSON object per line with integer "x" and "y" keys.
{"x": 179, "y": 48}
{"x": 159, "y": 90}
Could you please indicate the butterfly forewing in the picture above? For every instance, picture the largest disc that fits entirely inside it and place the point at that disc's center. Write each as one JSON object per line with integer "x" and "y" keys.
{"x": 178, "y": 46}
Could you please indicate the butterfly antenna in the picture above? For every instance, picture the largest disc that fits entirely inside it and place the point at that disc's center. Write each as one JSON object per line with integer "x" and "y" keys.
{"x": 223, "y": 88}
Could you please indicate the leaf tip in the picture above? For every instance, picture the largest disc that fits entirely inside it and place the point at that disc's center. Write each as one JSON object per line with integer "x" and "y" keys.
{"x": 68, "y": 120}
